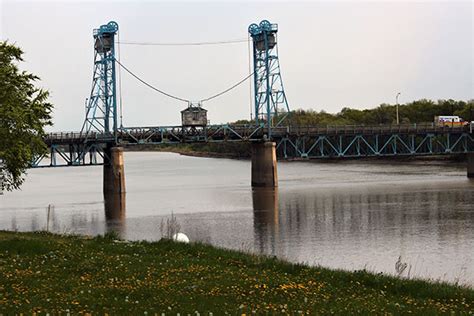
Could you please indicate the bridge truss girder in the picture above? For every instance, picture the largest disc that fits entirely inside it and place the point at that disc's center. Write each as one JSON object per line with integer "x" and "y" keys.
{"x": 329, "y": 142}
{"x": 181, "y": 134}
{"x": 77, "y": 149}
{"x": 378, "y": 145}
{"x": 74, "y": 154}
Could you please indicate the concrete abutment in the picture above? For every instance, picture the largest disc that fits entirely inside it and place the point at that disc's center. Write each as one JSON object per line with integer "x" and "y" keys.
{"x": 264, "y": 165}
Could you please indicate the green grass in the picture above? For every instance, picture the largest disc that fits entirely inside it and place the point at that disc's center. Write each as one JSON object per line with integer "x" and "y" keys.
{"x": 41, "y": 272}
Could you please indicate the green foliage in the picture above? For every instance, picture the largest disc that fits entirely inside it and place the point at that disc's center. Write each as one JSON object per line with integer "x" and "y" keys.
{"x": 313, "y": 118}
{"x": 24, "y": 112}
{"x": 419, "y": 111}
{"x": 238, "y": 150}
{"x": 46, "y": 273}
{"x": 244, "y": 122}
{"x": 110, "y": 235}
{"x": 19, "y": 246}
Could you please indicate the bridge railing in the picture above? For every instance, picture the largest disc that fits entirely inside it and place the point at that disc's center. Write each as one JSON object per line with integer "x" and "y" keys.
{"x": 248, "y": 132}
{"x": 75, "y": 137}
{"x": 371, "y": 129}
{"x": 64, "y": 135}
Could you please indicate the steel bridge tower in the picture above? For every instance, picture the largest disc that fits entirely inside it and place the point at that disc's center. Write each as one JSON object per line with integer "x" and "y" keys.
{"x": 101, "y": 107}
{"x": 271, "y": 105}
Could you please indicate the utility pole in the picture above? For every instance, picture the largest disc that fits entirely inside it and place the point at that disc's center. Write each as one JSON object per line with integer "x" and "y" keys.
{"x": 396, "y": 98}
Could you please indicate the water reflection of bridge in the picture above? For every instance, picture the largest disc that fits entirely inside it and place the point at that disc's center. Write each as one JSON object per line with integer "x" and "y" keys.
{"x": 115, "y": 213}
{"x": 430, "y": 225}
{"x": 340, "y": 227}
{"x": 443, "y": 211}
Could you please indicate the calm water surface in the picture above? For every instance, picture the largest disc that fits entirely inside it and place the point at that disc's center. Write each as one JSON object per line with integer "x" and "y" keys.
{"x": 348, "y": 215}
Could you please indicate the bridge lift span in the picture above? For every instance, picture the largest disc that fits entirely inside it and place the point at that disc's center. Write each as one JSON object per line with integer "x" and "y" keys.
{"x": 102, "y": 136}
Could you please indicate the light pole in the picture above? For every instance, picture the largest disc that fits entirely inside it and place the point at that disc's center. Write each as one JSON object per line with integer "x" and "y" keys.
{"x": 398, "y": 120}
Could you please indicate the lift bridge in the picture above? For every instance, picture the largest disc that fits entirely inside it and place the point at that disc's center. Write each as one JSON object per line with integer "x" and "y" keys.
{"x": 101, "y": 139}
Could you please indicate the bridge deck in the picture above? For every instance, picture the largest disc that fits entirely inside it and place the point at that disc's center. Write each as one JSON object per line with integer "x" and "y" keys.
{"x": 311, "y": 142}
{"x": 174, "y": 134}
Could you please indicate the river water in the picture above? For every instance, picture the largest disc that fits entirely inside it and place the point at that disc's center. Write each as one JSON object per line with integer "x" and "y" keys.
{"x": 349, "y": 215}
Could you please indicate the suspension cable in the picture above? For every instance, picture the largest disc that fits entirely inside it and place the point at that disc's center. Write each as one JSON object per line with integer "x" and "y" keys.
{"x": 149, "y": 85}
{"x": 228, "y": 89}
{"x": 186, "y": 44}
{"x": 182, "y": 99}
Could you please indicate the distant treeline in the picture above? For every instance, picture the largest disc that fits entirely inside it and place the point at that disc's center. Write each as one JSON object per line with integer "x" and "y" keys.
{"x": 420, "y": 111}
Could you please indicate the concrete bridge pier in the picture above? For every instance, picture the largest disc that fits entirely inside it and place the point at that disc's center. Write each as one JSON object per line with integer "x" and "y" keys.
{"x": 470, "y": 165}
{"x": 114, "y": 174}
{"x": 264, "y": 165}
{"x": 115, "y": 210}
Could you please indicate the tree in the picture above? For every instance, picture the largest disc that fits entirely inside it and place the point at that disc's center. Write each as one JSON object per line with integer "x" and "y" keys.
{"x": 24, "y": 112}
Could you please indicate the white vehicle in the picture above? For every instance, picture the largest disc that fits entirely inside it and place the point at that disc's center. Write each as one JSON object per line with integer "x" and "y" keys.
{"x": 449, "y": 120}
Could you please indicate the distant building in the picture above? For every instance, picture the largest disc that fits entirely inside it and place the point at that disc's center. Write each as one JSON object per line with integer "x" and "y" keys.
{"x": 194, "y": 116}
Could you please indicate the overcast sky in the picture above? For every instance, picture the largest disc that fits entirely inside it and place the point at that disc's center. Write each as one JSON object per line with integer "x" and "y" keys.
{"x": 332, "y": 54}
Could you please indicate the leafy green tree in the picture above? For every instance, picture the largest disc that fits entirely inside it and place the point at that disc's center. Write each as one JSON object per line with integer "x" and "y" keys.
{"x": 353, "y": 116}
{"x": 467, "y": 112}
{"x": 24, "y": 112}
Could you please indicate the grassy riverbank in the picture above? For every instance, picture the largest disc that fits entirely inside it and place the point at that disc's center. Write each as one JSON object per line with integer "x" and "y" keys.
{"x": 49, "y": 273}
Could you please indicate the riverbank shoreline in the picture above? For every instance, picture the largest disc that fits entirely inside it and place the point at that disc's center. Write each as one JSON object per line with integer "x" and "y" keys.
{"x": 43, "y": 272}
